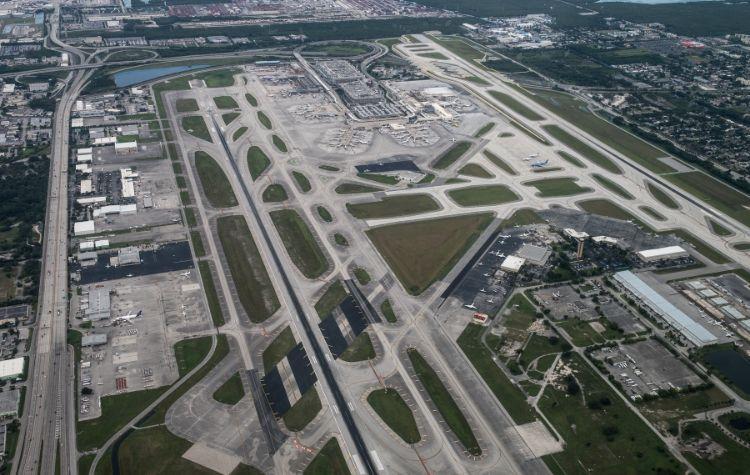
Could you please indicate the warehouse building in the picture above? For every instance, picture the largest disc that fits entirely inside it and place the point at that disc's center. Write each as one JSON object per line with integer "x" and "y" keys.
{"x": 96, "y": 306}
{"x": 12, "y": 369}
{"x": 693, "y": 331}
{"x": 94, "y": 339}
{"x": 82, "y": 228}
{"x": 662, "y": 253}
{"x": 512, "y": 264}
{"x": 9, "y": 401}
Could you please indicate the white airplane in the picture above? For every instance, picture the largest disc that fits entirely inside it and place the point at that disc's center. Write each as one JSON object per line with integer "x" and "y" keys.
{"x": 540, "y": 164}
{"x": 500, "y": 254}
{"x": 483, "y": 291}
{"x": 503, "y": 236}
{"x": 127, "y": 318}
{"x": 453, "y": 139}
{"x": 471, "y": 306}
{"x": 490, "y": 300}
{"x": 533, "y": 155}
{"x": 526, "y": 159}
{"x": 185, "y": 274}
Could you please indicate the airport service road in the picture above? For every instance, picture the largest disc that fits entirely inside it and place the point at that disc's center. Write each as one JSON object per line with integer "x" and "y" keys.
{"x": 692, "y": 212}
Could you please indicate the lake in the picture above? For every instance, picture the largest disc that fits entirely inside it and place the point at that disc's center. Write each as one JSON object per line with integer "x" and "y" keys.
{"x": 733, "y": 365}
{"x": 129, "y": 77}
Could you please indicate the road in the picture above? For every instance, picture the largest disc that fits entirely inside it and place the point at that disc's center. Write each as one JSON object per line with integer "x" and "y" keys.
{"x": 49, "y": 419}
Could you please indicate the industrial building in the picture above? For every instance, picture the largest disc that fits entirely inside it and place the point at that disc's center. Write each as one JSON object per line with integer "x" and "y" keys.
{"x": 689, "y": 328}
{"x": 9, "y": 401}
{"x": 662, "y": 253}
{"x": 82, "y": 228}
{"x": 97, "y": 305}
{"x": 512, "y": 264}
{"x": 94, "y": 339}
{"x": 12, "y": 369}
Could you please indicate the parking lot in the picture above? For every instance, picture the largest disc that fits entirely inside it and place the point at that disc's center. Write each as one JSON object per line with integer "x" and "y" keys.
{"x": 646, "y": 367}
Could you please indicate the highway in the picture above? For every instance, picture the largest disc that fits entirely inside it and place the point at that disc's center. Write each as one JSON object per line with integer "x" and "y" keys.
{"x": 49, "y": 419}
{"x": 335, "y": 390}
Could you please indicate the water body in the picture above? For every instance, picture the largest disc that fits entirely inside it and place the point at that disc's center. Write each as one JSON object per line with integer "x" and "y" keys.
{"x": 733, "y": 365}
{"x": 130, "y": 77}
{"x": 655, "y": 2}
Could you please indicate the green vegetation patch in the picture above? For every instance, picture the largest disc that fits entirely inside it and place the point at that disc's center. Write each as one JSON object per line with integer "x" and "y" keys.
{"x": 300, "y": 243}
{"x": 197, "y": 241}
{"x": 229, "y": 117}
{"x": 238, "y": 133}
{"x": 324, "y": 214}
{"x": 363, "y": 277}
{"x": 571, "y": 159}
{"x": 225, "y": 102}
{"x": 215, "y": 184}
{"x": 391, "y": 206}
{"x": 717, "y": 194}
{"x": 303, "y": 411}
{"x": 251, "y": 100}
{"x": 653, "y": 213}
{"x": 329, "y": 461}
{"x": 340, "y": 240}
{"x": 386, "y": 308}
{"x": 303, "y": 183}
{"x": 564, "y": 186}
{"x": 424, "y": 251}
{"x": 433, "y": 55}
{"x": 274, "y": 193}
{"x": 483, "y": 195}
{"x": 661, "y": 196}
{"x": 254, "y": 287}
{"x": 186, "y": 105}
{"x": 522, "y": 217}
{"x": 606, "y": 438}
{"x": 264, "y": 120}
{"x": 257, "y": 161}
{"x": 516, "y": 106}
{"x": 196, "y": 126}
{"x": 481, "y": 358}
{"x": 355, "y": 188}
{"x": 733, "y": 458}
{"x": 278, "y": 349}
{"x": 499, "y": 163}
{"x": 376, "y": 177}
{"x": 486, "y": 127}
{"x": 331, "y": 298}
{"x": 390, "y": 406}
{"x": 451, "y": 155}
{"x": 476, "y": 170}
{"x": 231, "y": 392}
{"x": 444, "y": 402}
{"x": 612, "y": 186}
{"x": 360, "y": 349}
{"x": 583, "y": 149}
{"x": 214, "y": 306}
{"x": 279, "y": 144}
{"x": 738, "y": 423}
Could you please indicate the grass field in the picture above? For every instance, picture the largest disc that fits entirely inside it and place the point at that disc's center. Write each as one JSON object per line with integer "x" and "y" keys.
{"x": 264, "y": 120}
{"x": 433, "y": 55}
{"x": 666, "y": 412}
{"x": 571, "y": 159}
{"x": 251, "y": 100}
{"x": 363, "y": 277}
{"x": 391, "y": 206}
{"x": 444, "y": 402}
{"x": 522, "y": 217}
{"x": 612, "y": 186}
{"x": 565, "y": 186}
{"x": 661, "y": 196}
{"x": 229, "y": 117}
{"x": 324, "y": 214}
{"x": 424, "y": 251}
{"x": 609, "y": 440}
{"x": 355, "y": 188}
{"x": 340, "y": 240}
{"x": 231, "y": 392}
{"x": 196, "y": 126}
{"x": 338, "y": 49}
{"x": 300, "y": 243}
{"x": 483, "y": 195}
{"x": 302, "y": 182}
{"x": 607, "y": 208}
{"x": 214, "y": 306}
{"x": 515, "y": 105}
{"x": 278, "y": 348}
{"x": 481, "y": 358}
{"x": 274, "y": 193}
{"x": 475, "y": 170}
{"x": 583, "y": 149}
{"x": 460, "y": 48}
{"x": 218, "y": 78}
{"x": 732, "y": 461}
{"x": 386, "y": 308}
{"x": 225, "y": 102}
{"x": 718, "y": 229}
{"x": 485, "y": 128}
{"x": 257, "y": 161}
{"x": 722, "y": 197}
{"x": 331, "y": 298}
{"x": 329, "y": 461}
{"x": 575, "y": 111}
{"x": 499, "y": 163}
{"x": 653, "y": 213}
{"x": 157, "y": 451}
{"x": 197, "y": 240}
{"x": 186, "y": 105}
{"x": 215, "y": 184}
{"x": 451, "y": 155}
{"x": 303, "y": 411}
{"x": 279, "y": 144}
{"x": 254, "y": 287}
{"x": 389, "y": 405}
{"x": 360, "y": 349}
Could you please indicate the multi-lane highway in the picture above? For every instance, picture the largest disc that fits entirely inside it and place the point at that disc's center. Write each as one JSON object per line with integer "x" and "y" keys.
{"x": 49, "y": 402}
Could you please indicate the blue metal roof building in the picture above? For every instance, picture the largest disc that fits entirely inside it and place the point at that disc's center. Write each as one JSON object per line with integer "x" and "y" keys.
{"x": 690, "y": 329}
